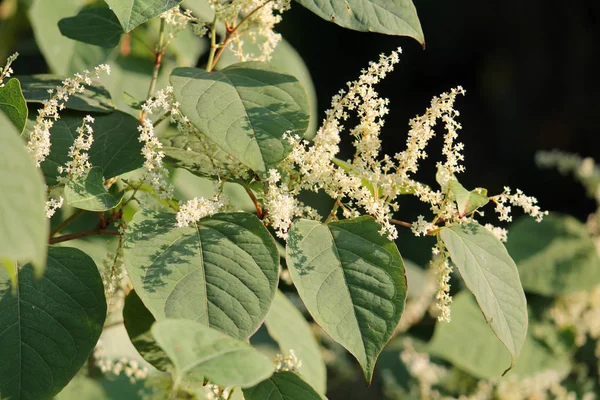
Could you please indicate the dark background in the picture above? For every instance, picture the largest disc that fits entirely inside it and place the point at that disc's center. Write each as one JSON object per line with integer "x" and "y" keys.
{"x": 531, "y": 70}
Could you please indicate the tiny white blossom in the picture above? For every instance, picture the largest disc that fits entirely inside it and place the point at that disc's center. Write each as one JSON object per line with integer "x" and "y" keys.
{"x": 193, "y": 210}
{"x": 7, "y": 71}
{"x": 52, "y": 205}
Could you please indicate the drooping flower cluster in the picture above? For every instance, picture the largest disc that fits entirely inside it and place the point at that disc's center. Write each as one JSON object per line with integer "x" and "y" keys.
{"x": 179, "y": 20}
{"x": 259, "y": 17}
{"x": 193, "y": 210}
{"x": 7, "y": 71}
{"x": 79, "y": 162}
{"x": 440, "y": 263}
{"x": 527, "y": 203}
{"x": 39, "y": 139}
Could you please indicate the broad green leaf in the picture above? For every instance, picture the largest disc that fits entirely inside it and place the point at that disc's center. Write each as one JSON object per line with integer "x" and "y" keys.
{"x": 132, "y": 13}
{"x": 82, "y": 388}
{"x": 138, "y": 322}
{"x": 392, "y": 17}
{"x": 492, "y": 276}
{"x": 469, "y": 344}
{"x": 284, "y": 385}
{"x": 23, "y": 223}
{"x": 351, "y": 280}
{"x": 94, "y": 98}
{"x": 94, "y": 25}
{"x": 198, "y": 352}
{"x": 245, "y": 109}
{"x": 13, "y": 104}
{"x": 116, "y": 148}
{"x": 50, "y": 326}
{"x": 555, "y": 256}
{"x": 290, "y": 330}
{"x": 222, "y": 272}
{"x": 63, "y": 55}
{"x": 88, "y": 192}
{"x": 467, "y": 201}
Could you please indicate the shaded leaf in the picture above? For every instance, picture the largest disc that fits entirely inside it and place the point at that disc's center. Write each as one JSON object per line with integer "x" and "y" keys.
{"x": 222, "y": 272}
{"x": 291, "y": 331}
{"x": 392, "y": 17}
{"x": 492, "y": 276}
{"x": 13, "y": 104}
{"x": 23, "y": 223}
{"x": 132, "y": 13}
{"x": 199, "y": 352}
{"x": 467, "y": 201}
{"x": 245, "y": 109}
{"x": 351, "y": 280}
{"x": 88, "y": 192}
{"x": 49, "y": 328}
{"x": 284, "y": 385}
{"x": 94, "y": 98}
{"x": 94, "y": 25}
{"x": 555, "y": 256}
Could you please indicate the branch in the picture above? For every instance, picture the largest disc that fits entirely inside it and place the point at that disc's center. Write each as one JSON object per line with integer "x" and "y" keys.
{"x": 78, "y": 235}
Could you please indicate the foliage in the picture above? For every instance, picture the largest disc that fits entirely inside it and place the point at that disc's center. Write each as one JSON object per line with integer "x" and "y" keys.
{"x": 159, "y": 191}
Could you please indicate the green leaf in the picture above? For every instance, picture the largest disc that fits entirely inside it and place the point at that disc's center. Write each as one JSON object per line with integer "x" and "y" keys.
{"x": 199, "y": 352}
{"x": 469, "y": 344}
{"x": 88, "y": 192}
{"x": 351, "y": 280}
{"x": 94, "y": 98}
{"x": 290, "y": 330}
{"x": 23, "y": 223}
{"x": 13, "y": 104}
{"x": 49, "y": 328}
{"x": 392, "y": 17}
{"x": 245, "y": 109}
{"x": 94, "y": 25}
{"x": 138, "y": 321}
{"x": 556, "y": 256}
{"x": 282, "y": 386}
{"x": 467, "y": 201}
{"x": 222, "y": 272}
{"x": 63, "y": 55}
{"x": 132, "y": 13}
{"x": 83, "y": 388}
{"x": 492, "y": 276}
{"x": 116, "y": 148}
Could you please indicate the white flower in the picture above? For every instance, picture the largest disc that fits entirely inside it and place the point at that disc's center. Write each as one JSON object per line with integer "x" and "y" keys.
{"x": 52, "y": 205}
{"x": 7, "y": 71}
{"x": 79, "y": 163}
{"x": 421, "y": 227}
{"x": 193, "y": 210}
{"x": 500, "y": 233}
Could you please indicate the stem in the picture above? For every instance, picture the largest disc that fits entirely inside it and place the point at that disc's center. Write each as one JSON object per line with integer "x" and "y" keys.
{"x": 401, "y": 223}
{"x": 213, "y": 45}
{"x": 78, "y": 235}
{"x": 333, "y": 211}
{"x": 67, "y": 222}
{"x": 158, "y": 55}
{"x": 259, "y": 210}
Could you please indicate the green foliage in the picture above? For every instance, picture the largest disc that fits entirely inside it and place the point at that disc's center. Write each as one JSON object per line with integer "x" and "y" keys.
{"x": 23, "y": 226}
{"x": 351, "y": 280}
{"x": 88, "y": 192}
{"x": 93, "y": 25}
{"x": 13, "y": 104}
{"x": 555, "y": 256}
{"x": 222, "y": 272}
{"x": 200, "y": 352}
{"x": 132, "y": 13}
{"x": 50, "y": 325}
{"x": 492, "y": 276}
{"x": 256, "y": 107}
{"x": 282, "y": 386}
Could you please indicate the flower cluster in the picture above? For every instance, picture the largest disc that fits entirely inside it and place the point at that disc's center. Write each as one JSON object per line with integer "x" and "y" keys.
{"x": 179, "y": 20}
{"x": 258, "y": 19}
{"x": 7, "y": 71}
{"x": 39, "y": 139}
{"x": 52, "y": 205}
{"x": 440, "y": 263}
{"x": 193, "y": 210}
{"x": 287, "y": 363}
{"x": 79, "y": 163}
{"x": 527, "y": 203}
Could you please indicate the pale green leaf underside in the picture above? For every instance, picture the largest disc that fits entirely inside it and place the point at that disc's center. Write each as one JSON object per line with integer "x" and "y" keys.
{"x": 289, "y": 328}
{"x": 222, "y": 272}
{"x": 555, "y": 256}
{"x": 13, "y": 104}
{"x": 23, "y": 223}
{"x": 351, "y": 280}
{"x": 284, "y": 385}
{"x": 492, "y": 276}
{"x": 469, "y": 344}
{"x": 132, "y": 13}
{"x": 94, "y": 25}
{"x": 49, "y": 328}
{"x": 245, "y": 109}
{"x": 392, "y": 17}
{"x": 88, "y": 192}
{"x": 198, "y": 351}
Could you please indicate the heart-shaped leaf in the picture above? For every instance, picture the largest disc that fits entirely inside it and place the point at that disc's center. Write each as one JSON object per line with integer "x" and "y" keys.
{"x": 199, "y": 352}
{"x": 94, "y": 25}
{"x": 13, "y": 104}
{"x": 49, "y": 327}
{"x": 222, "y": 272}
{"x": 492, "y": 276}
{"x": 351, "y": 280}
{"x": 132, "y": 13}
{"x": 284, "y": 385}
{"x": 245, "y": 109}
